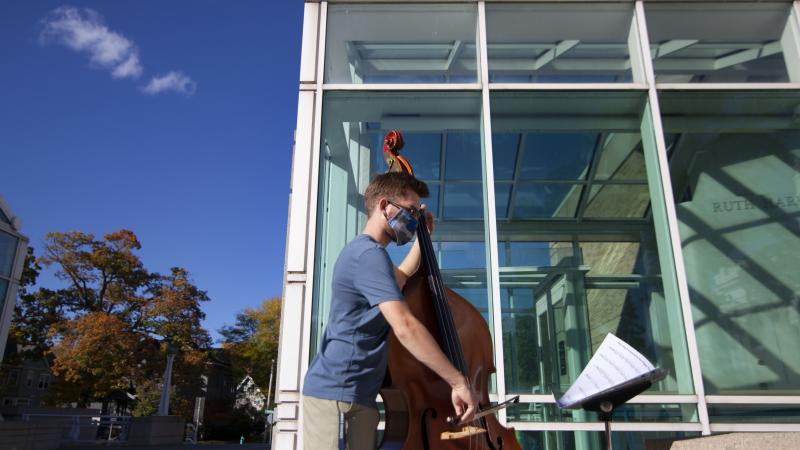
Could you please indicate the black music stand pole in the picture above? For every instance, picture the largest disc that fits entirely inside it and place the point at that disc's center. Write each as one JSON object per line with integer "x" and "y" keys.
{"x": 607, "y": 401}
{"x": 606, "y": 411}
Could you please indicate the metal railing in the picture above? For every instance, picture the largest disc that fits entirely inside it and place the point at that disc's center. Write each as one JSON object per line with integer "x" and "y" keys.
{"x": 87, "y": 428}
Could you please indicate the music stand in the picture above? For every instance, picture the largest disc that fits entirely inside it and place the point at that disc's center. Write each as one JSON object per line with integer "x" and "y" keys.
{"x": 604, "y": 403}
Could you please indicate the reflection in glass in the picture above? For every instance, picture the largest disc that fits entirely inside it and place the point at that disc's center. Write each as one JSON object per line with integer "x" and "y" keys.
{"x": 354, "y": 124}
{"x": 505, "y": 147}
{"x": 569, "y": 161}
{"x": 723, "y": 42}
{"x": 559, "y": 43}
{"x": 502, "y": 195}
{"x": 528, "y": 254}
{"x": 8, "y": 249}
{"x": 754, "y": 413}
{"x": 371, "y": 43}
{"x": 736, "y": 178}
{"x": 637, "y": 314}
{"x": 432, "y": 202}
{"x": 622, "y": 159}
{"x": 461, "y": 201}
{"x": 577, "y": 249}
{"x": 535, "y": 201}
{"x": 3, "y": 289}
{"x": 554, "y": 168}
{"x": 604, "y": 201}
{"x": 463, "y": 157}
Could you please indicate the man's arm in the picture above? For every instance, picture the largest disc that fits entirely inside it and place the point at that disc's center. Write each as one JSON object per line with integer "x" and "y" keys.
{"x": 419, "y": 342}
{"x": 409, "y": 265}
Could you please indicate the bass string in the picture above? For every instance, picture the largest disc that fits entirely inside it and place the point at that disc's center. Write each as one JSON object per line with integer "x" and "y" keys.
{"x": 446, "y": 324}
{"x": 444, "y": 314}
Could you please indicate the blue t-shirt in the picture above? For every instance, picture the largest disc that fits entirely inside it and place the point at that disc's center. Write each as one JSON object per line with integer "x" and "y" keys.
{"x": 351, "y": 361}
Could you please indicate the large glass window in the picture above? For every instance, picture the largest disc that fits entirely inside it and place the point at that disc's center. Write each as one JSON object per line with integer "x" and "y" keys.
{"x": 442, "y": 143}
{"x": 724, "y": 42}
{"x": 735, "y": 167}
{"x": 422, "y": 43}
{"x": 559, "y": 43}
{"x": 578, "y": 251}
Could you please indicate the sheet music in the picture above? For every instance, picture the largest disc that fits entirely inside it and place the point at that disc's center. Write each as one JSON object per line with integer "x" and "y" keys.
{"x": 614, "y": 363}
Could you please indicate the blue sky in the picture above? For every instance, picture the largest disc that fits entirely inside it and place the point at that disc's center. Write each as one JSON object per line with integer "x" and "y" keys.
{"x": 170, "y": 118}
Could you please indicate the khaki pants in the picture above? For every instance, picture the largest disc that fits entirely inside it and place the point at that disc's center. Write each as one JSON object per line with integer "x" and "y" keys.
{"x": 321, "y": 424}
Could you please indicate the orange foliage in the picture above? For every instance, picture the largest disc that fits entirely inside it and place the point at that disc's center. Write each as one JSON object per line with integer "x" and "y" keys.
{"x": 97, "y": 353}
{"x": 116, "y": 318}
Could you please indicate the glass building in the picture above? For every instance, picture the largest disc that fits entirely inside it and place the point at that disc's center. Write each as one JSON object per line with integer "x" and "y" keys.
{"x": 630, "y": 167}
{"x": 13, "y": 247}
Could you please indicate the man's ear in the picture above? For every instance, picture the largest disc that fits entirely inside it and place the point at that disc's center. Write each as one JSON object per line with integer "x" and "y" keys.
{"x": 383, "y": 203}
{"x": 379, "y": 206}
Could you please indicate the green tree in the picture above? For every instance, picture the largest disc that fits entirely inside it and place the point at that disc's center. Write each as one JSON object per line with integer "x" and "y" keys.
{"x": 148, "y": 395}
{"x": 252, "y": 342}
{"x": 34, "y": 313}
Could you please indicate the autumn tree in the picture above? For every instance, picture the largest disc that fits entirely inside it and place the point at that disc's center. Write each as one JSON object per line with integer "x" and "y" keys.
{"x": 97, "y": 353}
{"x": 174, "y": 313}
{"x": 173, "y": 310}
{"x": 102, "y": 275}
{"x": 107, "y": 327}
{"x": 252, "y": 342}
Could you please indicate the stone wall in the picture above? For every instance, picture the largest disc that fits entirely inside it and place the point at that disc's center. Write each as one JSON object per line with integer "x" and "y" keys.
{"x": 156, "y": 430}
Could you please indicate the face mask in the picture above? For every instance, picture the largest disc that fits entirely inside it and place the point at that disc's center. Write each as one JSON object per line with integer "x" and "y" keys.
{"x": 404, "y": 226}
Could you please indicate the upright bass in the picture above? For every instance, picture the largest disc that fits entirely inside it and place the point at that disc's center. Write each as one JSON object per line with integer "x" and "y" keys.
{"x": 416, "y": 400}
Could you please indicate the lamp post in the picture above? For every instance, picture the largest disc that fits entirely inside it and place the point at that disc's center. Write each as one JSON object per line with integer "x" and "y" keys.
{"x": 268, "y": 420}
{"x": 163, "y": 405}
{"x": 269, "y": 387}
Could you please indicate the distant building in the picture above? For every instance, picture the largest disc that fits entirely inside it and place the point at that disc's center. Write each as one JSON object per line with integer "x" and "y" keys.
{"x": 13, "y": 247}
{"x": 24, "y": 383}
{"x": 248, "y": 395}
{"x": 217, "y": 378}
{"x": 213, "y": 409}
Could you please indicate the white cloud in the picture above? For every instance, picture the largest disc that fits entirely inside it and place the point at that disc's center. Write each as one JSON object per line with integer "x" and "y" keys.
{"x": 84, "y": 31}
{"x": 129, "y": 68}
{"x": 173, "y": 81}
